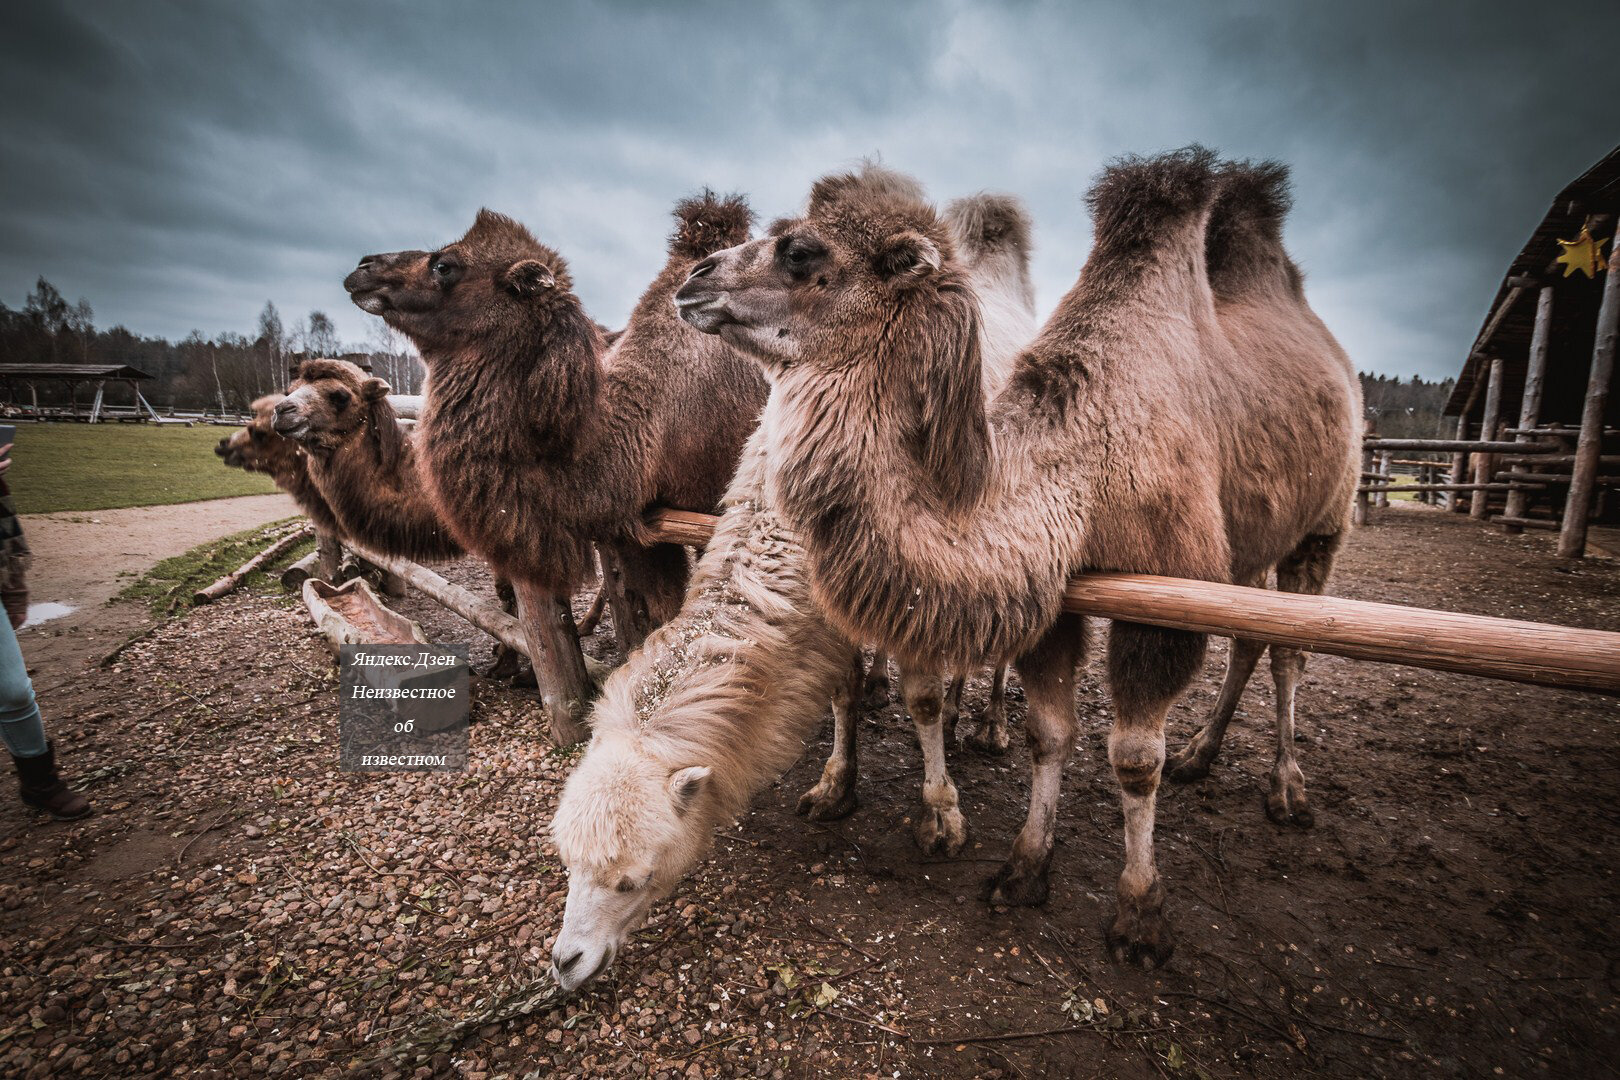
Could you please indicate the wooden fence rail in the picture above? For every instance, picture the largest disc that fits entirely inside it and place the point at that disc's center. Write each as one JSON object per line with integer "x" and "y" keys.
{"x": 1525, "y": 652}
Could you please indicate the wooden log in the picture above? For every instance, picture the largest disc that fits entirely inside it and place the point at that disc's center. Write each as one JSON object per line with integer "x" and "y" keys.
{"x": 1493, "y": 420}
{"x": 1386, "y": 476}
{"x": 1478, "y": 446}
{"x": 1588, "y": 451}
{"x": 1555, "y": 431}
{"x": 1530, "y": 403}
{"x": 1554, "y": 478}
{"x": 1361, "y": 513}
{"x": 230, "y": 581}
{"x": 329, "y": 550}
{"x": 301, "y": 571}
{"x": 485, "y": 615}
{"x": 1530, "y": 523}
{"x": 1566, "y": 460}
{"x": 406, "y": 406}
{"x": 1529, "y": 652}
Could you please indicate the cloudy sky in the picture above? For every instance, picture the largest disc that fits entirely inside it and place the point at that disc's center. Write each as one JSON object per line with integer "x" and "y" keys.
{"x": 180, "y": 164}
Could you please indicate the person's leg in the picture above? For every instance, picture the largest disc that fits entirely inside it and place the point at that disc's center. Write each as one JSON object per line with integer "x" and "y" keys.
{"x": 24, "y": 735}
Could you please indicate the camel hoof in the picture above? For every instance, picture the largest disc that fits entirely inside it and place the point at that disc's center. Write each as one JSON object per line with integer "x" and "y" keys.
{"x": 1017, "y": 886}
{"x": 1288, "y": 806}
{"x": 988, "y": 738}
{"x": 941, "y": 832}
{"x": 1140, "y": 935}
{"x": 822, "y": 803}
{"x": 1185, "y": 767}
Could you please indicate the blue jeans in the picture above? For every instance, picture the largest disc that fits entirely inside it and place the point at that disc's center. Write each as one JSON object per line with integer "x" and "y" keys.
{"x": 20, "y": 726}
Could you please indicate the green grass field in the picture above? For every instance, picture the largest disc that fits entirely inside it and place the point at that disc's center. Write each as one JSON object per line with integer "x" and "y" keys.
{"x": 106, "y": 466}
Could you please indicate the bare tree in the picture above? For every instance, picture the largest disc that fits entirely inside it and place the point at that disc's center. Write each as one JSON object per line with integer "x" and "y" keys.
{"x": 321, "y": 339}
{"x": 273, "y": 339}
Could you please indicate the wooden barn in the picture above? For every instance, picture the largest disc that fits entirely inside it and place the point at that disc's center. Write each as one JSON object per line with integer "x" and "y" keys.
{"x": 1539, "y": 374}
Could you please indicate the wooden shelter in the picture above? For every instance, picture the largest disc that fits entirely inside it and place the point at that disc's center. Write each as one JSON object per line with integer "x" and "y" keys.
{"x": 13, "y": 376}
{"x": 1539, "y": 374}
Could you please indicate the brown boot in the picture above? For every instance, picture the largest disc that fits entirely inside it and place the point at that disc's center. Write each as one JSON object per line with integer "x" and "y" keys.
{"x": 44, "y": 790}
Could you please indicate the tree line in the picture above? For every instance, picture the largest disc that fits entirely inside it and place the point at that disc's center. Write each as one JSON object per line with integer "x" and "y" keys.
{"x": 223, "y": 373}
{"x": 228, "y": 371}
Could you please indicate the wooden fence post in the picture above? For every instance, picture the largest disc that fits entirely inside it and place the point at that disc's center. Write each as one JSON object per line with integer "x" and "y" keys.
{"x": 1530, "y": 405}
{"x": 1487, "y": 433}
{"x": 1572, "y": 536}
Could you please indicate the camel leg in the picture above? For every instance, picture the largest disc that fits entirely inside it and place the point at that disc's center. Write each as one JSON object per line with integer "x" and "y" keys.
{"x": 875, "y": 694}
{"x": 941, "y": 828}
{"x": 1048, "y": 674}
{"x": 1148, "y": 668}
{"x": 833, "y": 796}
{"x": 559, "y": 666}
{"x": 646, "y": 586}
{"x": 951, "y": 711}
{"x": 507, "y": 662}
{"x": 1194, "y": 760}
{"x": 991, "y": 735}
{"x": 1306, "y": 570}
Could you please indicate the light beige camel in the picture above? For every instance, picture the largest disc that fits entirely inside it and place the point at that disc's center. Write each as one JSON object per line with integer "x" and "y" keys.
{"x": 1183, "y": 412}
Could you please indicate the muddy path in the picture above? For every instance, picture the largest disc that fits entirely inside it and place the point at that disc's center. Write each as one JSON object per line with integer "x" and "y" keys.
{"x": 240, "y": 907}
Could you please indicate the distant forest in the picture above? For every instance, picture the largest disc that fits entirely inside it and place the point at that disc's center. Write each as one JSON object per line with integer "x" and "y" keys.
{"x": 229, "y": 371}
{"x": 223, "y": 373}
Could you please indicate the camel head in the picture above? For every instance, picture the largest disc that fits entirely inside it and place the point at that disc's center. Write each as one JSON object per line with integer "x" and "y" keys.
{"x": 868, "y": 244}
{"x": 628, "y": 828}
{"x": 497, "y": 280}
{"x": 257, "y": 447}
{"x": 329, "y": 403}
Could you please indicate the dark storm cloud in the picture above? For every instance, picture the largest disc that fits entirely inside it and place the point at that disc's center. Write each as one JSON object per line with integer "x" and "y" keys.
{"x": 180, "y": 164}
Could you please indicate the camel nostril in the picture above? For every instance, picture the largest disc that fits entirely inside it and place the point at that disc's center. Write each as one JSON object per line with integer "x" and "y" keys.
{"x": 370, "y": 260}
{"x": 703, "y": 268}
{"x": 567, "y": 964}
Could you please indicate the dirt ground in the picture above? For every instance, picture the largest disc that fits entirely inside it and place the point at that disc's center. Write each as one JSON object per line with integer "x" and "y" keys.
{"x": 238, "y": 907}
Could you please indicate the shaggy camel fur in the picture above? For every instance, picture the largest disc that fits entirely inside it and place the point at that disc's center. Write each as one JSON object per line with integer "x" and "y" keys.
{"x": 533, "y": 446}
{"x": 258, "y": 448}
{"x": 363, "y": 464}
{"x": 1139, "y": 433}
{"x": 715, "y": 705}
{"x": 991, "y": 233}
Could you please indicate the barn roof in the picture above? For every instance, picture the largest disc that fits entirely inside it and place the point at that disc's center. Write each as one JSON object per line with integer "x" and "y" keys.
{"x": 64, "y": 372}
{"x": 1506, "y": 334}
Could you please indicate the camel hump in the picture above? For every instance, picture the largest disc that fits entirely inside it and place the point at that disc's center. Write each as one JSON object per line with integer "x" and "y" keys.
{"x": 870, "y": 182}
{"x": 987, "y": 223}
{"x": 1243, "y": 247}
{"x": 1136, "y": 198}
{"x": 707, "y": 223}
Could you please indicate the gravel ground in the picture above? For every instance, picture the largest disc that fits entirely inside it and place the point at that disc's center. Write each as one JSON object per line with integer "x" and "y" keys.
{"x": 239, "y": 907}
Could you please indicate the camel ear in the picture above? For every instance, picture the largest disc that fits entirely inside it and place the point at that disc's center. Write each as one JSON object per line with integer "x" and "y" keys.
{"x": 907, "y": 257}
{"x": 375, "y": 389}
{"x": 292, "y": 371}
{"x": 686, "y": 785}
{"x": 527, "y": 277}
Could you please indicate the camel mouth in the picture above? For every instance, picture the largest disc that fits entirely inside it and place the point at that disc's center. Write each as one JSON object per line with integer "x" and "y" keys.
{"x": 570, "y": 983}
{"x": 372, "y": 303}
{"x": 706, "y": 313}
{"x": 292, "y": 429}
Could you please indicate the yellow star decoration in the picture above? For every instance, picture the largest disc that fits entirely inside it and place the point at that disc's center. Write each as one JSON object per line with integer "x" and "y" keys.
{"x": 1583, "y": 254}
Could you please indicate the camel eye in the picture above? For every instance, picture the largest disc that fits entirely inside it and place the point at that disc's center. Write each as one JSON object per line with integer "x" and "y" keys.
{"x": 338, "y": 398}
{"x": 444, "y": 269}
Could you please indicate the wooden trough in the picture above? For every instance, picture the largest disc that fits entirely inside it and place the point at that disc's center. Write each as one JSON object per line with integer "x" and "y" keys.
{"x": 351, "y": 614}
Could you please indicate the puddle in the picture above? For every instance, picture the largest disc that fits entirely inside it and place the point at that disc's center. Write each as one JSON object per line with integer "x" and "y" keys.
{"x": 38, "y": 613}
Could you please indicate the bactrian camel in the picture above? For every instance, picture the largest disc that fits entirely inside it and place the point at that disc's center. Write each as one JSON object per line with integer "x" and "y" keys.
{"x": 361, "y": 461}
{"x": 258, "y": 448}
{"x": 712, "y": 708}
{"x": 1183, "y": 412}
{"x": 992, "y": 238}
{"x": 533, "y": 446}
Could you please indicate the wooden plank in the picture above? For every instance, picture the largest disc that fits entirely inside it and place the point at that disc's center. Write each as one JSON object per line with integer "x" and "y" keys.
{"x": 1493, "y": 420}
{"x": 1578, "y": 507}
{"x": 1528, "y": 652}
{"x": 1477, "y": 446}
{"x": 1397, "y": 488}
{"x": 483, "y": 614}
{"x": 1530, "y": 404}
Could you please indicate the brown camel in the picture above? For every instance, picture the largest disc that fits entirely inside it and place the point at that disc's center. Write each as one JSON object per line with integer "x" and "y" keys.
{"x": 258, "y": 448}
{"x": 361, "y": 461}
{"x": 533, "y": 446}
{"x": 1145, "y": 430}
{"x": 719, "y": 700}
